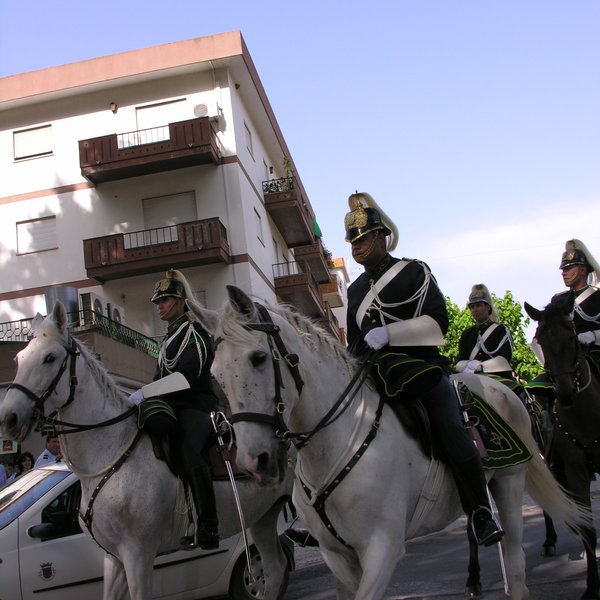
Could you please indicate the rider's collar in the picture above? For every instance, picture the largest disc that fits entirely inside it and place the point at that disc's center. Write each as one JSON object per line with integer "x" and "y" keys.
{"x": 579, "y": 292}
{"x": 177, "y": 323}
{"x": 484, "y": 326}
{"x": 379, "y": 269}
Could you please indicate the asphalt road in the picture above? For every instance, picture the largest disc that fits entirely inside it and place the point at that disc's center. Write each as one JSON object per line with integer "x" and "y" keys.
{"x": 436, "y": 566}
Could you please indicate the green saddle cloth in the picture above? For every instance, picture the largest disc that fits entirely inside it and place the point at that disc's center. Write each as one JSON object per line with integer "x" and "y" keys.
{"x": 504, "y": 447}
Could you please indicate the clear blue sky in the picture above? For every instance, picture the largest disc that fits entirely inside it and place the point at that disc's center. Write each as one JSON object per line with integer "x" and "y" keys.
{"x": 474, "y": 124}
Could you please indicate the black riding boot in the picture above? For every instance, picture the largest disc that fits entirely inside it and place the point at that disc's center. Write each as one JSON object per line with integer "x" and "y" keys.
{"x": 207, "y": 532}
{"x": 472, "y": 487}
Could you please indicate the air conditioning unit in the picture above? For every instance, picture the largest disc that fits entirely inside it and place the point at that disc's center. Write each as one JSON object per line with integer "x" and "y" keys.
{"x": 94, "y": 302}
{"x": 116, "y": 313}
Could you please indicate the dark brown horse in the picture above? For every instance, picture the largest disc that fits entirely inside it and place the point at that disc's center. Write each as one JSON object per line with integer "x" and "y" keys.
{"x": 575, "y": 446}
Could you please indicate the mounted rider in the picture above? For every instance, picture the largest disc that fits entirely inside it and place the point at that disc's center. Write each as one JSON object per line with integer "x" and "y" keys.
{"x": 187, "y": 348}
{"x": 486, "y": 347}
{"x": 396, "y": 308}
{"x": 580, "y": 273}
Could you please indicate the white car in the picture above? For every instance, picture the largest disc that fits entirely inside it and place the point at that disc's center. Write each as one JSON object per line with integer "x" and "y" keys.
{"x": 44, "y": 554}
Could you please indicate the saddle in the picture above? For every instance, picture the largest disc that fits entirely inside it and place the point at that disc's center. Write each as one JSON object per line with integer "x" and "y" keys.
{"x": 215, "y": 454}
{"x": 498, "y": 443}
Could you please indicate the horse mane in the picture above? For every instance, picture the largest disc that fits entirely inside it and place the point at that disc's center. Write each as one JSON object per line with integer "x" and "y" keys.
{"x": 99, "y": 372}
{"x": 233, "y": 327}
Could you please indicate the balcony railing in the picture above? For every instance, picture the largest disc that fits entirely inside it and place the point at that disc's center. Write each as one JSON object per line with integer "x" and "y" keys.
{"x": 299, "y": 288}
{"x": 84, "y": 321}
{"x": 173, "y": 146}
{"x": 153, "y": 250}
{"x": 314, "y": 256}
{"x": 289, "y": 211}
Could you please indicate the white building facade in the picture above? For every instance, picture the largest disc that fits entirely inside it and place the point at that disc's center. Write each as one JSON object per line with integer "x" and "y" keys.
{"x": 118, "y": 168}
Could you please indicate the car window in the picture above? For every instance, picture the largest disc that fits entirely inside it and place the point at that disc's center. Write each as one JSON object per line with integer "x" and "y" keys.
{"x": 63, "y": 512}
{"x": 21, "y": 493}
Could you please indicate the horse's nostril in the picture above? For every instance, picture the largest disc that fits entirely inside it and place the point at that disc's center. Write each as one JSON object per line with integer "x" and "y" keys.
{"x": 263, "y": 462}
{"x": 11, "y": 419}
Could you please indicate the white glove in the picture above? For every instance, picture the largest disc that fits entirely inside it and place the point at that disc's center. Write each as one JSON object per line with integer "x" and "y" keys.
{"x": 587, "y": 338}
{"x": 473, "y": 366}
{"x": 137, "y": 397}
{"x": 377, "y": 338}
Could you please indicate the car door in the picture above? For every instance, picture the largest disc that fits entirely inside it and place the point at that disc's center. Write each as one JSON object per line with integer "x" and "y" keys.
{"x": 56, "y": 558}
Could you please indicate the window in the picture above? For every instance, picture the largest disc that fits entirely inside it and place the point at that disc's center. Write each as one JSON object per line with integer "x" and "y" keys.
{"x": 258, "y": 221}
{"x": 62, "y": 513}
{"x": 36, "y": 235}
{"x": 30, "y": 143}
{"x": 248, "y": 139}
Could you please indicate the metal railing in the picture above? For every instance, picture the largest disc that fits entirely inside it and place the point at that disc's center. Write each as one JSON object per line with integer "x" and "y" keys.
{"x": 150, "y": 237}
{"x": 16, "y": 331}
{"x": 273, "y": 186}
{"x": 82, "y": 321}
{"x": 143, "y": 136}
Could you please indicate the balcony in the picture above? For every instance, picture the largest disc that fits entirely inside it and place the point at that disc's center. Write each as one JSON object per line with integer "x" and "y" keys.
{"x": 330, "y": 323}
{"x": 153, "y": 250}
{"x": 314, "y": 256}
{"x": 332, "y": 292}
{"x": 123, "y": 351}
{"x": 285, "y": 205}
{"x": 298, "y": 288}
{"x": 173, "y": 146}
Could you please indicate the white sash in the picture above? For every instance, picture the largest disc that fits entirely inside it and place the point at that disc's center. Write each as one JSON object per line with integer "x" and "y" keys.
{"x": 479, "y": 345}
{"x": 376, "y": 288}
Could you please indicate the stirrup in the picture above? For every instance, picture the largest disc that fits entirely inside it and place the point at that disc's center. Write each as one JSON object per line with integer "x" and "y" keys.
{"x": 484, "y": 527}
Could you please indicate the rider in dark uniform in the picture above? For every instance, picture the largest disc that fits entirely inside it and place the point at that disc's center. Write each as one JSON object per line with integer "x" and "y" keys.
{"x": 187, "y": 348}
{"x": 486, "y": 347}
{"x": 580, "y": 273}
{"x": 395, "y": 307}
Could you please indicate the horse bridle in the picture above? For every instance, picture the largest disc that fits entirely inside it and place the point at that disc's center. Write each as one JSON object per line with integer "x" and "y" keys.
{"x": 38, "y": 413}
{"x": 47, "y": 424}
{"x": 278, "y": 349}
{"x": 576, "y": 371}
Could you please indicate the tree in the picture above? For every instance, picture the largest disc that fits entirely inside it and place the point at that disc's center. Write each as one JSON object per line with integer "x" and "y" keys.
{"x": 524, "y": 363}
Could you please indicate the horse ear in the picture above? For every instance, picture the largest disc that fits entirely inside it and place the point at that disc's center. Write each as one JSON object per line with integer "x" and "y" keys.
{"x": 59, "y": 316}
{"x": 240, "y": 301}
{"x": 534, "y": 313}
{"x": 207, "y": 318}
{"x": 36, "y": 323}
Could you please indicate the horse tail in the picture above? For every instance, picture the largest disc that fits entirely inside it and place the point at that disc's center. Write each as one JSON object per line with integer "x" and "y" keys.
{"x": 551, "y": 496}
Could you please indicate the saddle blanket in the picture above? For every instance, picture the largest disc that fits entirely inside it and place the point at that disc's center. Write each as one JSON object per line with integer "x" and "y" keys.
{"x": 503, "y": 446}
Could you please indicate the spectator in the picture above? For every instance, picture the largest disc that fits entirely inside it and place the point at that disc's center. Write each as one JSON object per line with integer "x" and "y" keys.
{"x": 52, "y": 454}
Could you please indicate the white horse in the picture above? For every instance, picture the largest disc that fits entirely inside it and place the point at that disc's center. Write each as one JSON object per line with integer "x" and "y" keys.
{"x": 133, "y": 495}
{"x": 363, "y": 485}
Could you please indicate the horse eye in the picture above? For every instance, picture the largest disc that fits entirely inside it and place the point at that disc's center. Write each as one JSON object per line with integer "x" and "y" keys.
{"x": 50, "y": 358}
{"x": 258, "y": 358}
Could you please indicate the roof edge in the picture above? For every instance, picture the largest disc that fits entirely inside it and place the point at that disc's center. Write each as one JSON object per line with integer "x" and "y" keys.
{"x": 122, "y": 64}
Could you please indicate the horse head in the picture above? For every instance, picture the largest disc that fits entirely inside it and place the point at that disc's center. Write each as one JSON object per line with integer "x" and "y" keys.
{"x": 247, "y": 366}
{"x": 556, "y": 335}
{"x": 39, "y": 382}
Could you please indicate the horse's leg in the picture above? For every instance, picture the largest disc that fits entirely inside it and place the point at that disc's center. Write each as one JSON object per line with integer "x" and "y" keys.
{"x": 549, "y": 545}
{"x": 265, "y": 536}
{"x": 507, "y": 488}
{"x": 115, "y": 582}
{"x": 378, "y": 562}
{"x": 138, "y": 563}
{"x": 577, "y": 482}
{"x": 473, "y": 585}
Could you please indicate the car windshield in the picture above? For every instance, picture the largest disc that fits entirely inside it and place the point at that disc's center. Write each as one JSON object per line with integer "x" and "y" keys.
{"x": 18, "y": 495}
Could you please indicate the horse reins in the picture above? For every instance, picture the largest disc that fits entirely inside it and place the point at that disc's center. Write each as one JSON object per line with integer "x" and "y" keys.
{"x": 300, "y": 440}
{"x": 47, "y": 424}
{"x": 278, "y": 349}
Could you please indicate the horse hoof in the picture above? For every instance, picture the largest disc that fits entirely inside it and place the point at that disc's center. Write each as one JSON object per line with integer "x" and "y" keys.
{"x": 473, "y": 591}
{"x": 548, "y": 551}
